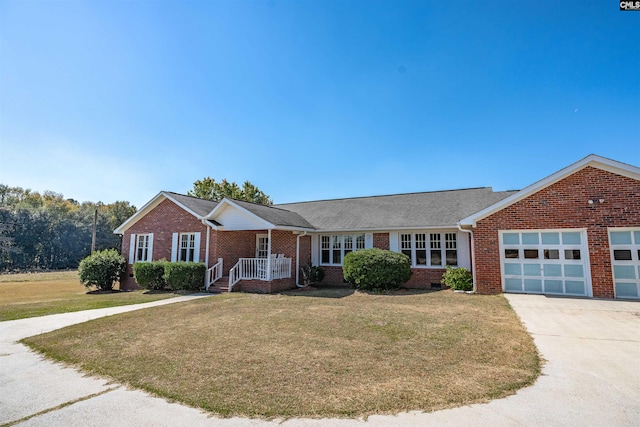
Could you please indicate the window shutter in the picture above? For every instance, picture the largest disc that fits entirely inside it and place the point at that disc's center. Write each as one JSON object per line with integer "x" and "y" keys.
{"x": 150, "y": 252}
{"x": 174, "y": 247}
{"x": 368, "y": 240}
{"x": 393, "y": 242}
{"x": 132, "y": 248}
{"x": 196, "y": 252}
{"x": 315, "y": 258}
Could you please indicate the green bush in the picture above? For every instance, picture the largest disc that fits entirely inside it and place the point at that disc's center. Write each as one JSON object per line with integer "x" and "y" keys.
{"x": 376, "y": 269}
{"x": 184, "y": 275}
{"x": 150, "y": 275}
{"x": 102, "y": 269}
{"x": 312, "y": 274}
{"x": 458, "y": 279}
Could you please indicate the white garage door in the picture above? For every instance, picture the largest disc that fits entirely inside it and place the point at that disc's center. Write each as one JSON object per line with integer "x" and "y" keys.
{"x": 625, "y": 260}
{"x": 545, "y": 262}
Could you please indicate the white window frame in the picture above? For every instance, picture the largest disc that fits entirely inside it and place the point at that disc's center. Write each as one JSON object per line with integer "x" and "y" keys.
{"x": 265, "y": 250}
{"x": 190, "y": 249}
{"x": 422, "y": 240}
{"x": 146, "y": 248}
{"x": 344, "y": 243}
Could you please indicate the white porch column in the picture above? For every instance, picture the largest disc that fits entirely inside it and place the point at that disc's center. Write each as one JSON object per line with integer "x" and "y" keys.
{"x": 269, "y": 256}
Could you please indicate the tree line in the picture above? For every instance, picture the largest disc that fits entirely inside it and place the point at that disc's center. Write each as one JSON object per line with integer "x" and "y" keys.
{"x": 46, "y": 231}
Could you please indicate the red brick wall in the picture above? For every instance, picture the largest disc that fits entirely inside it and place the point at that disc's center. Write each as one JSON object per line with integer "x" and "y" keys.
{"x": 381, "y": 241}
{"x": 233, "y": 245}
{"x": 263, "y": 287}
{"x": 163, "y": 220}
{"x": 423, "y": 278}
{"x": 563, "y": 205}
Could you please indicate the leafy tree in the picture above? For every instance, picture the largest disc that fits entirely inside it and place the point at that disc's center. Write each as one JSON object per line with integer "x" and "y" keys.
{"x": 47, "y": 231}
{"x": 208, "y": 188}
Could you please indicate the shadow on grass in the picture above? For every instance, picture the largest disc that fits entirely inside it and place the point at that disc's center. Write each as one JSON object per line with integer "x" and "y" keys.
{"x": 319, "y": 291}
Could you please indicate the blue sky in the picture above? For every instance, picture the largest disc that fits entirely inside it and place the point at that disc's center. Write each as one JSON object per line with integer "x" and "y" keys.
{"x": 117, "y": 100}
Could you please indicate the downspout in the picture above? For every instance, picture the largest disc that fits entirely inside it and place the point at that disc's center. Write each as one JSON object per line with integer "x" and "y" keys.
{"x": 298, "y": 259}
{"x": 473, "y": 256}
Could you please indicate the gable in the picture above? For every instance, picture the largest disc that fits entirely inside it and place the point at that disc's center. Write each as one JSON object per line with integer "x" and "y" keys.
{"x": 192, "y": 205}
{"x": 606, "y": 167}
{"x": 233, "y": 218}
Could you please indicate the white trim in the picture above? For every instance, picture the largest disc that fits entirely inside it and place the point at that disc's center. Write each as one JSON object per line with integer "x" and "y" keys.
{"x": 258, "y": 237}
{"x": 591, "y": 160}
{"x": 368, "y": 240}
{"x": 174, "y": 247}
{"x": 132, "y": 248}
{"x": 315, "y": 249}
{"x": 150, "y": 248}
{"x": 394, "y": 242}
{"x": 196, "y": 252}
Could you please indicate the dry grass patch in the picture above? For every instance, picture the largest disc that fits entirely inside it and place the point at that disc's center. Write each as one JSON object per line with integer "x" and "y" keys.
{"x": 308, "y": 355}
{"x": 39, "y": 294}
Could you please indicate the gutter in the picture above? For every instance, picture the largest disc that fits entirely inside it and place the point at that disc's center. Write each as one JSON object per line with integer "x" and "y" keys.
{"x": 298, "y": 259}
{"x": 473, "y": 255}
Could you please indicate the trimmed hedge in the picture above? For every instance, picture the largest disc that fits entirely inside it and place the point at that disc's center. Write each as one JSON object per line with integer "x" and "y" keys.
{"x": 376, "y": 269}
{"x": 102, "y": 269}
{"x": 150, "y": 275}
{"x": 184, "y": 275}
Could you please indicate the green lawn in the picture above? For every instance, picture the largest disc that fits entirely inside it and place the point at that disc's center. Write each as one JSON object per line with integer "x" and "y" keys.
{"x": 39, "y": 294}
{"x": 314, "y": 353}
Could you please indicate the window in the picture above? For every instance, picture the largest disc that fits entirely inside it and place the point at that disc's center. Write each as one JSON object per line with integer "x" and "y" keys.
{"x": 414, "y": 245}
{"x": 187, "y": 247}
{"x": 142, "y": 248}
{"x": 333, "y": 248}
{"x": 436, "y": 249}
{"x": 452, "y": 248}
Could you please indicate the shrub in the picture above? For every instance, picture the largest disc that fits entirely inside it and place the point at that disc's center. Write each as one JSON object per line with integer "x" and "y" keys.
{"x": 376, "y": 269}
{"x": 458, "y": 279}
{"x": 184, "y": 275}
{"x": 312, "y": 274}
{"x": 150, "y": 275}
{"x": 102, "y": 269}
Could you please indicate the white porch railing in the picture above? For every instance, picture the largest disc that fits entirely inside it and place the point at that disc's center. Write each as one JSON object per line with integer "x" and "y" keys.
{"x": 213, "y": 274}
{"x": 257, "y": 269}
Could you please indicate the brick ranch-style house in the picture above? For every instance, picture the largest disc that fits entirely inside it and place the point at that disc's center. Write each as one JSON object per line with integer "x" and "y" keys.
{"x": 575, "y": 232}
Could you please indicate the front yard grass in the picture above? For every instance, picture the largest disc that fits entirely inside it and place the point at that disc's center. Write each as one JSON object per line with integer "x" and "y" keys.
{"x": 310, "y": 353}
{"x": 39, "y": 294}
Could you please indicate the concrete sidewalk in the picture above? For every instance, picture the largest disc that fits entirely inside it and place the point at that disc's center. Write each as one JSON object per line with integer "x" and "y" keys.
{"x": 592, "y": 377}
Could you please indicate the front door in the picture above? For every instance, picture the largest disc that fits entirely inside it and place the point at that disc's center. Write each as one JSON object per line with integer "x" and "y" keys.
{"x": 262, "y": 245}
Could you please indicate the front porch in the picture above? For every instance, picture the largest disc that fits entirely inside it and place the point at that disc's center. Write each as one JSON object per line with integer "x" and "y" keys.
{"x": 269, "y": 269}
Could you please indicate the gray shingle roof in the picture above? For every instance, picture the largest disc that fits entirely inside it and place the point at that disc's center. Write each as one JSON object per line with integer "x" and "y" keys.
{"x": 431, "y": 209}
{"x": 199, "y": 206}
{"x": 275, "y": 215}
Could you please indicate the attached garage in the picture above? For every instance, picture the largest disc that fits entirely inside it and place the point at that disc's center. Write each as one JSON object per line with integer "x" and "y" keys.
{"x": 545, "y": 262}
{"x": 625, "y": 261}
{"x": 575, "y": 233}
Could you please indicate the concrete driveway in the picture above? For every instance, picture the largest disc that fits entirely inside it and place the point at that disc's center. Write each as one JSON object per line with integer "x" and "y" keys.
{"x": 592, "y": 377}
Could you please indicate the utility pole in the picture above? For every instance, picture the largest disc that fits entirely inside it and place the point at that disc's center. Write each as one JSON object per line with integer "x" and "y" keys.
{"x": 95, "y": 226}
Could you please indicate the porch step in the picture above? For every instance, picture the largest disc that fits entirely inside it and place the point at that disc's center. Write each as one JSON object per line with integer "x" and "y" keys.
{"x": 222, "y": 285}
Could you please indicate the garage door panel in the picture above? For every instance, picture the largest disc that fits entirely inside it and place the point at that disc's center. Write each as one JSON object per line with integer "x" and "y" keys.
{"x": 545, "y": 261}
{"x": 625, "y": 261}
